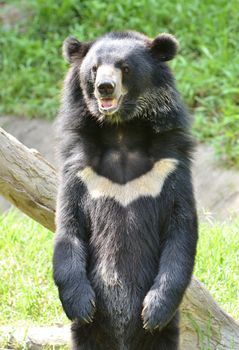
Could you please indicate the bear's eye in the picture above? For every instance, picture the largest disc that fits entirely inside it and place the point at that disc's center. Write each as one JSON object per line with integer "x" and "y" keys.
{"x": 94, "y": 69}
{"x": 125, "y": 69}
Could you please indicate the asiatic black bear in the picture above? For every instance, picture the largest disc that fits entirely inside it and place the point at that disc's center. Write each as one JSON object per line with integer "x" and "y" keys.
{"x": 126, "y": 218}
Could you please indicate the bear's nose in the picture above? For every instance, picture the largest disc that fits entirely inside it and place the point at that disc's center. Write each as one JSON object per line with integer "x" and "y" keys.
{"x": 106, "y": 88}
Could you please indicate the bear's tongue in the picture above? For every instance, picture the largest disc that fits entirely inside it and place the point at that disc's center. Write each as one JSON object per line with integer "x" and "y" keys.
{"x": 107, "y": 102}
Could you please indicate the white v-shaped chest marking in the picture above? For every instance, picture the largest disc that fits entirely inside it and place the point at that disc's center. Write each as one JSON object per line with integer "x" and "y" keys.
{"x": 149, "y": 184}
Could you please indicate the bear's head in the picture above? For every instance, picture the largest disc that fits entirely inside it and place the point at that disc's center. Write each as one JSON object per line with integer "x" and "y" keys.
{"x": 123, "y": 75}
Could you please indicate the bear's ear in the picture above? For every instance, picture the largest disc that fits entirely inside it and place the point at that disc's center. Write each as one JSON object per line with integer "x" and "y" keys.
{"x": 73, "y": 49}
{"x": 164, "y": 47}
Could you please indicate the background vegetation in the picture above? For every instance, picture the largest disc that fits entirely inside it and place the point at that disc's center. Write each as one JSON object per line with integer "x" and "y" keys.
{"x": 206, "y": 69}
{"x": 32, "y": 70}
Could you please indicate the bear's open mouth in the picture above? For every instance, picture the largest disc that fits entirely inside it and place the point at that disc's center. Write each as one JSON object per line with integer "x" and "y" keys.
{"x": 109, "y": 105}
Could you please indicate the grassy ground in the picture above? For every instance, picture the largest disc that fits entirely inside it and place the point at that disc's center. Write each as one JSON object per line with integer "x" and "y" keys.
{"x": 217, "y": 263}
{"x": 207, "y": 67}
{"x": 27, "y": 293}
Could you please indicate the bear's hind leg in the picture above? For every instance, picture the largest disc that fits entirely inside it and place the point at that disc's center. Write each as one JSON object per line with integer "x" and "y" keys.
{"x": 89, "y": 337}
{"x": 169, "y": 337}
{"x": 82, "y": 337}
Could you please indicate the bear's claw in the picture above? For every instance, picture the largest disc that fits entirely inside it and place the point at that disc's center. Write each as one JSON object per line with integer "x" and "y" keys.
{"x": 79, "y": 303}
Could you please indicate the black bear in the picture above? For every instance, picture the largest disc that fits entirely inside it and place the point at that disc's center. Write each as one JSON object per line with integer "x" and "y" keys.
{"x": 126, "y": 218}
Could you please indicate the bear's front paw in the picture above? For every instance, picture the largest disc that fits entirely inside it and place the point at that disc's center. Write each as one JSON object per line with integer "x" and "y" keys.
{"x": 79, "y": 302}
{"x": 154, "y": 314}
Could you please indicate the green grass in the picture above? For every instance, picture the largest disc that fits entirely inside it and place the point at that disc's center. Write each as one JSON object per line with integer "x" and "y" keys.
{"x": 217, "y": 263}
{"x": 207, "y": 67}
{"x": 27, "y": 292}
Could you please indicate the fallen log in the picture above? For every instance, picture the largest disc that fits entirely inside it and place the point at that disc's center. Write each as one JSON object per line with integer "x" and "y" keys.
{"x": 35, "y": 338}
{"x": 29, "y": 182}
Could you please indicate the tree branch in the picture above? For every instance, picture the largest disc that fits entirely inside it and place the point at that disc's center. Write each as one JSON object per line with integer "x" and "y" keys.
{"x": 27, "y": 180}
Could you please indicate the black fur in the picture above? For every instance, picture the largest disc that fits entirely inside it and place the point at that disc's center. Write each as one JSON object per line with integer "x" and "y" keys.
{"x": 73, "y": 50}
{"x": 164, "y": 47}
{"x": 147, "y": 248}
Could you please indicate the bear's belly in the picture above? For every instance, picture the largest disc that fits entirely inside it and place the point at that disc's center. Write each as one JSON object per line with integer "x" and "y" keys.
{"x": 124, "y": 257}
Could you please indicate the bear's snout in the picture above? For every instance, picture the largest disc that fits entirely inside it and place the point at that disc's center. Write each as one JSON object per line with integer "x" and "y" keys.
{"x": 106, "y": 88}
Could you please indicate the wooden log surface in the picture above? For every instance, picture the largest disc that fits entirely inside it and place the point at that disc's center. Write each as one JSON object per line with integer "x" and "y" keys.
{"x": 29, "y": 182}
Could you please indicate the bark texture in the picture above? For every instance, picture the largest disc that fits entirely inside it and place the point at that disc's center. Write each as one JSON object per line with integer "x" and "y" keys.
{"x": 204, "y": 325}
{"x": 29, "y": 182}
